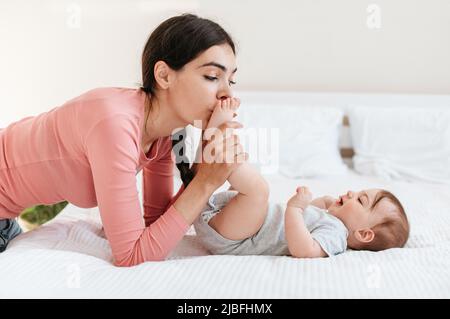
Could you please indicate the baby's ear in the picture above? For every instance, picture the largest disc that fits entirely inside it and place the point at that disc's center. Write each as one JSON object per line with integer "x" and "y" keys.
{"x": 365, "y": 235}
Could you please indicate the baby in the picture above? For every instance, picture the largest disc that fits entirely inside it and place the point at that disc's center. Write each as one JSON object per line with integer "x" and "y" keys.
{"x": 241, "y": 221}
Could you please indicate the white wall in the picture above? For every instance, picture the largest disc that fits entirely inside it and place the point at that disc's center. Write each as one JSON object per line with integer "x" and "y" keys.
{"x": 52, "y": 50}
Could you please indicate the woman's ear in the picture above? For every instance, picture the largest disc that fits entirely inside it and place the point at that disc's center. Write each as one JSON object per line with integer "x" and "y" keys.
{"x": 162, "y": 72}
{"x": 365, "y": 235}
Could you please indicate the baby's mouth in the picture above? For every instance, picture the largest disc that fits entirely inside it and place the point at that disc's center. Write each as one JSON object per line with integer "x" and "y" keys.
{"x": 339, "y": 202}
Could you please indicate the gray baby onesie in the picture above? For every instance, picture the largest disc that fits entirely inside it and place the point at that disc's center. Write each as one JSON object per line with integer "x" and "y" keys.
{"x": 325, "y": 228}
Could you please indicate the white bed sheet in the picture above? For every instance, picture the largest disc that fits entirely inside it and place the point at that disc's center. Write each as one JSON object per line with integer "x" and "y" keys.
{"x": 69, "y": 257}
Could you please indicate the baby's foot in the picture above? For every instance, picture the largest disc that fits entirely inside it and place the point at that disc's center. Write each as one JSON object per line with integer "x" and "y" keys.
{"x": 223, "y": 112}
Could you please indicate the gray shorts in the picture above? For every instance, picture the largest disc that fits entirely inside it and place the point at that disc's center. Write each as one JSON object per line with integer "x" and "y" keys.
{"x": 210, "y": 238}
{"x": 265, "y": 242}
{"x": 9, "y": 229}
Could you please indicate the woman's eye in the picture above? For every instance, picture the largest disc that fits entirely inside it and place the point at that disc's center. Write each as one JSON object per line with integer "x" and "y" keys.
{"x": 210, "y": 78}
{"x": 213, "y": 78}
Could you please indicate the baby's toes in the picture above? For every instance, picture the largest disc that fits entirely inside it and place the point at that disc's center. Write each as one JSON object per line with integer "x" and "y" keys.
{"x": 221, "y": 106}
{"x": 228, "y": 107}
{"x": 227, "y": 104}
{"x": 235, "y": 102}
{"x": 224, "y": 102}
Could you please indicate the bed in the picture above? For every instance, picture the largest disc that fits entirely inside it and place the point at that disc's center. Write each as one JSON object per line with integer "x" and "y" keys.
{"x": 69, "y": 256}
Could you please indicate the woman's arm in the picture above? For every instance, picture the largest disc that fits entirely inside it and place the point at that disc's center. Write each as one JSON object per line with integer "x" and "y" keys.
{"x": 193, "y": 199}
{"x": 112, "y": 156}
{"x": 157, "y": 184}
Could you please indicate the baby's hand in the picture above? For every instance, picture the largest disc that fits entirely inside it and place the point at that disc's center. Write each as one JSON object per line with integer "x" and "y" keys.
{"x": 301, "y": 199}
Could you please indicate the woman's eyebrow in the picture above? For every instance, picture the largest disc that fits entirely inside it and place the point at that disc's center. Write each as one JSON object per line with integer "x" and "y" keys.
{"x": 217, "y": 65}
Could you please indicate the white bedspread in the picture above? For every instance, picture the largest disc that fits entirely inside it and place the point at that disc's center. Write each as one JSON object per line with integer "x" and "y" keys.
{"x": 69, "y": 257}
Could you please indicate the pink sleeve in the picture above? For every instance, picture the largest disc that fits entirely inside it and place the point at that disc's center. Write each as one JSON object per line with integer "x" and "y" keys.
{"x": 158, "y": 185}
{"x": 113, "y": 155}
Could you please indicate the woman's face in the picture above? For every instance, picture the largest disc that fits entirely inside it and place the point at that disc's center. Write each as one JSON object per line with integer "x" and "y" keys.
{"x": 201, "y": 83}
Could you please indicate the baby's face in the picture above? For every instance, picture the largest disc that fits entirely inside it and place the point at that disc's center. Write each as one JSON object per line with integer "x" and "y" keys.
{"x": 355, "y": 209}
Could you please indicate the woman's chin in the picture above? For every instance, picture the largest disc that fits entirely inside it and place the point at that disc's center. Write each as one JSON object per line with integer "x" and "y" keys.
{"x": 201, "y": 123}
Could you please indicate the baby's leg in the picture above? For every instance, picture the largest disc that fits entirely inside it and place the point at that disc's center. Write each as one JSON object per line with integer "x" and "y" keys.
{"x": 244, "y": 215}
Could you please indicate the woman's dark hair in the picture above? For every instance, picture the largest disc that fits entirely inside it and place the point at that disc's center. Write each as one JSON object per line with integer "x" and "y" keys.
{"x": 177, "y": 41}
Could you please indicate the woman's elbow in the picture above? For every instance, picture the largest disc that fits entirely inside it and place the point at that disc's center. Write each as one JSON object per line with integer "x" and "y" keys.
{"x": 131, "y": 260}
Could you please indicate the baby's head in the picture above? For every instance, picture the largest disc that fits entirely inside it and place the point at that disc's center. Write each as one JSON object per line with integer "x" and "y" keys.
{"x": 375, "y": 219}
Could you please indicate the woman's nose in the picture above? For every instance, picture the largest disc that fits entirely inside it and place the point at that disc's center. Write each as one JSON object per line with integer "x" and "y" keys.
{"x": 225, "y": 93}
{"x": 225, "y": 96}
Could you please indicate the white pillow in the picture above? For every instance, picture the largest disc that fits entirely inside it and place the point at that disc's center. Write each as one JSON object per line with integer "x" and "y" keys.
{"x": 401, "y": 143}
{"x": 294, "y": 140}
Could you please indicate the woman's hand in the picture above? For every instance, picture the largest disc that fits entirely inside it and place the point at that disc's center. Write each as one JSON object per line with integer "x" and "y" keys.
{"x": 226, "y": 113}
{"x": 222, "y": 153}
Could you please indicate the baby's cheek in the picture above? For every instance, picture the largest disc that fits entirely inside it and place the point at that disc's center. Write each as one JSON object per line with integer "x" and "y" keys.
{"x": 356, "y": 214}
{"x": 350, "y": 211}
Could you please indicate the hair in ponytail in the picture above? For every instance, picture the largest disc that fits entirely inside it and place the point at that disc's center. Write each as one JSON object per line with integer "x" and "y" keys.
{"x": 182, "y": 162}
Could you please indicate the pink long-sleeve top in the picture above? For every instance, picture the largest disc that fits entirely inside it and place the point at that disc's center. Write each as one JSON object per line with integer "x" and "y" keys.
{"x": 88, "y": 152}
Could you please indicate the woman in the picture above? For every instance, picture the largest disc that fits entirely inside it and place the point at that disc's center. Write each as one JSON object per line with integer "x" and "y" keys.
{"x": 89, "y": 150}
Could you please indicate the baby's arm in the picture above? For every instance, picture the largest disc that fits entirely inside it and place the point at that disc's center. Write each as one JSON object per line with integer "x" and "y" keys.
{"x": 323, "y": 202}
{"x": 300, "y": 242}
